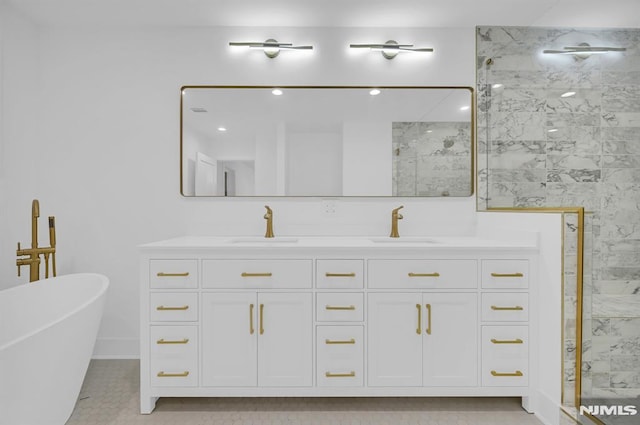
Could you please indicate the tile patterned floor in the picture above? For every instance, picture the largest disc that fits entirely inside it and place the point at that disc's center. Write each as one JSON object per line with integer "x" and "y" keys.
{"x": 110, "y": 397}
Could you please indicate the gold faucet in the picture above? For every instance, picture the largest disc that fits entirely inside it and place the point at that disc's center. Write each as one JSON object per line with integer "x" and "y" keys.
{"x": 395, "y": 216}
{"x": 269, "y": 217}
{"x": 33, "y": 254}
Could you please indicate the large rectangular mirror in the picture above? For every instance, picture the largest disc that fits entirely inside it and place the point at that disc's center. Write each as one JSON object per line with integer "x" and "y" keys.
{"x": 326, "y": 141}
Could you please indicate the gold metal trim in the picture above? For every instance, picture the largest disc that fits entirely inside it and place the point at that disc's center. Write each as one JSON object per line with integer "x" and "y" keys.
{"x": 507, "y": 341}
{"x": 501, "y": 374}
{"x": 333, "y": 341}
{"x": 517, "y": 308}
{"x": 251, "y": 330}
{"x": 162, "y": 274}
{"x": 352, "y": 274}
{"x": 261, "y": 319}
{"x": 245, "y": 274}
{"x": 473, "y": 153}
{"x": 428, "y": 318}
{"x": 340, "y": 307}
{"x": 507, "y": 275}
{"x": 436, "y": 274}
{"x": 162, "y": 374}
{"x": 340, "y": 375}
{"x": 179, "y": 341}
{"x": 419, "y": 328}
{"x": 163, "y": 308}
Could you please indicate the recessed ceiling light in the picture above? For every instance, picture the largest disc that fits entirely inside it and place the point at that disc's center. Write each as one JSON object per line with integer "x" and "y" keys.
{"x": 429, "y": 131}
{"x": 497, "y": 86}
{"x": 276, "y": 92}
{"x": 222, "y": 129}
{"x": 552, "y": 130}
{"x": 568, "y": 94}
{"x": 374, "y": 92}
{"x": 464, "y": 108}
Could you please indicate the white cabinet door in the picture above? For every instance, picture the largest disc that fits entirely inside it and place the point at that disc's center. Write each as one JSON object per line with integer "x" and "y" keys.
{"x": 450, "y": 339}
{"x": 229, "y": 339}
{"x": 395, "y": 339}
{"x": 285, "y": 341}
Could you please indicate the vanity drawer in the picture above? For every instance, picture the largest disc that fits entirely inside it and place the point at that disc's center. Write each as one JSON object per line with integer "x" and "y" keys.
{"x": 505, "y": 307}
{"x": 508, "y": 274}
{"x": 173, "y": 356}
{"x": 340, "y": 356}
{"x": 173, "y": 274}
{"x": 173, "y": 307}
{"x": 423, "y": 274}
{"x": 340, "y": 274}
{"x": 256, "y": 274}
{"x": 340, "y": 307}
{"x": 505, "y": 356}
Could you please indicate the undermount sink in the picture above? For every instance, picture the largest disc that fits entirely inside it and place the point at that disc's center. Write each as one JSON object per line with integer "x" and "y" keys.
{"x": 262, "y": 240}
{"x": 401, "y": 240}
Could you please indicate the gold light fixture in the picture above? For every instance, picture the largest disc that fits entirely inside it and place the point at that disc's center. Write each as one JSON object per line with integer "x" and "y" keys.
{"x": 270, "y": 47}
{"x": 391, "y": 48}
{"x": 584, "y": 50}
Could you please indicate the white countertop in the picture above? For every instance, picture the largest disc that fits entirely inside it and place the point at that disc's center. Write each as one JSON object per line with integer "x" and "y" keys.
{"x": 369, "y": 242}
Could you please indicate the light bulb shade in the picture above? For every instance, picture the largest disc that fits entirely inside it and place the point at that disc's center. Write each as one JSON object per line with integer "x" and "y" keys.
{"x": 584, "y": 50}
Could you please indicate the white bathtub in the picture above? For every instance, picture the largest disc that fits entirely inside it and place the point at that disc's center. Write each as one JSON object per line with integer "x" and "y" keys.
{"x": 47, "y": 333}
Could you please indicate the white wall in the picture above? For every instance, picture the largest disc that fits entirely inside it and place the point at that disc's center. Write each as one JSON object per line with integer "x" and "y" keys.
{"x": 314, "y": 164}
{"x": 367, "y": 160}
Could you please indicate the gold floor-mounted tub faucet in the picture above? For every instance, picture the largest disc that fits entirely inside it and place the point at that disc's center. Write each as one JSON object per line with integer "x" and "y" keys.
{"x": 269, "y": 217}
{"x": 33, "y": 254}
{"x": 395, "y": 216}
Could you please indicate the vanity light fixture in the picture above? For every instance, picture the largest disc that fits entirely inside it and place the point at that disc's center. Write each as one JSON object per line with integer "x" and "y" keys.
{"x": 374, "y": 92}
{"x": 584, "y": 50}
{"x": 270, "y": 47}
{"x": 568, "y": 94}
{"x": 391, "y": 48}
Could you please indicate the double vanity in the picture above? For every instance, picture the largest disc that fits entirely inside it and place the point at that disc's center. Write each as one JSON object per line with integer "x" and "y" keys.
{"x": 337, "y": 316}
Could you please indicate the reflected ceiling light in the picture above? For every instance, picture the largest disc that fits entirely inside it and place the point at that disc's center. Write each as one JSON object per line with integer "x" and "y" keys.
{"x": 222, "y": 129}
{"x": 391, "y": 48}
{"x": 374, "y": 92}
{"x": 496, "y": 86}
{"x": 464, "y": 108}
{"x": 552, "y": 130}
{"x": 270, "y": 47}
{"x": 276, "y": 92}
{"x": 584, "y": 50}
{"x": 568, "y": 94}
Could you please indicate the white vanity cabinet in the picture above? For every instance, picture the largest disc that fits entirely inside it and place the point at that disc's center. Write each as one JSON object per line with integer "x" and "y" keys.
{"x": 336, "y": 317}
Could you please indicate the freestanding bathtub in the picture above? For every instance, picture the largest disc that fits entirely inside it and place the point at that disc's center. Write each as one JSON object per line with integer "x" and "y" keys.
{"x": 47, "y": 333}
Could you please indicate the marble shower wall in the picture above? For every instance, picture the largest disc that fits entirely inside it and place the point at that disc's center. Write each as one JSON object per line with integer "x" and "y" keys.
{"x": 537, "y": 148}
{"x": 431, "y": 158}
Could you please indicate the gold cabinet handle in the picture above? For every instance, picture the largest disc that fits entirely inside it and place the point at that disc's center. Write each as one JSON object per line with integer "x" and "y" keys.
{"x": 340, "y": 307}
{"x": 516, "y": 308}
{"x": 419, "y": 328}
{"x": 428, "y": 318}
{"x": 163, "y": 308}
{"x": 516, "y": 373}
{"x": 261, "y": 319}
{"x": 162, "y": 374}
{"x": 340, "y": 274}
{"x": 507, "y": 341}
{"x": 340, "y": 375}
{"x": 436, "y": 274}
{"x": 507, "y": 275}
{"x": 333, "y": 341}
{"x": 251, "y": 330}
{"x": 179, "y": 341}
{"x": 162, "y": 274}
{"x": 245, "y": 274}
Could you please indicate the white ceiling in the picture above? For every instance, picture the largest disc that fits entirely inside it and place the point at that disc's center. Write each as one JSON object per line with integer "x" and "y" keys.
{"x": 333, "y": 13}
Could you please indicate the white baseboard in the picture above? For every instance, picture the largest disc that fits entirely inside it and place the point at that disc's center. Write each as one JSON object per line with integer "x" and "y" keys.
{"x": 116, "y": 348}
{"x": 547, "y": 410}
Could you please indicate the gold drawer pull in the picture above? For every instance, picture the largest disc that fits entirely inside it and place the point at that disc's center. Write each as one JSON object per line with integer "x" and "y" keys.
{"x": 340, "y": 307}
{"x": 261, "y": 319}
{"x": 517, "y": 308}
{"x": 340, "y": 274}
{"x": 507, "y": 275}
{"x": 179, "y": 341}
{"x": 424, "y": 274}
{"x": 162, "y": 274}
{"x": 163, "y": 308}
{"x": 507, "y": 341}
{"x": 516, "y": 373}
{"x": 340, "y": 375}
{"x": 428, "y": 318}
{"x": 331, "y": 341}
{"x": 419, "y": 328}
{"x": 173, "y": 375}
{"x": 245, "y": 274}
